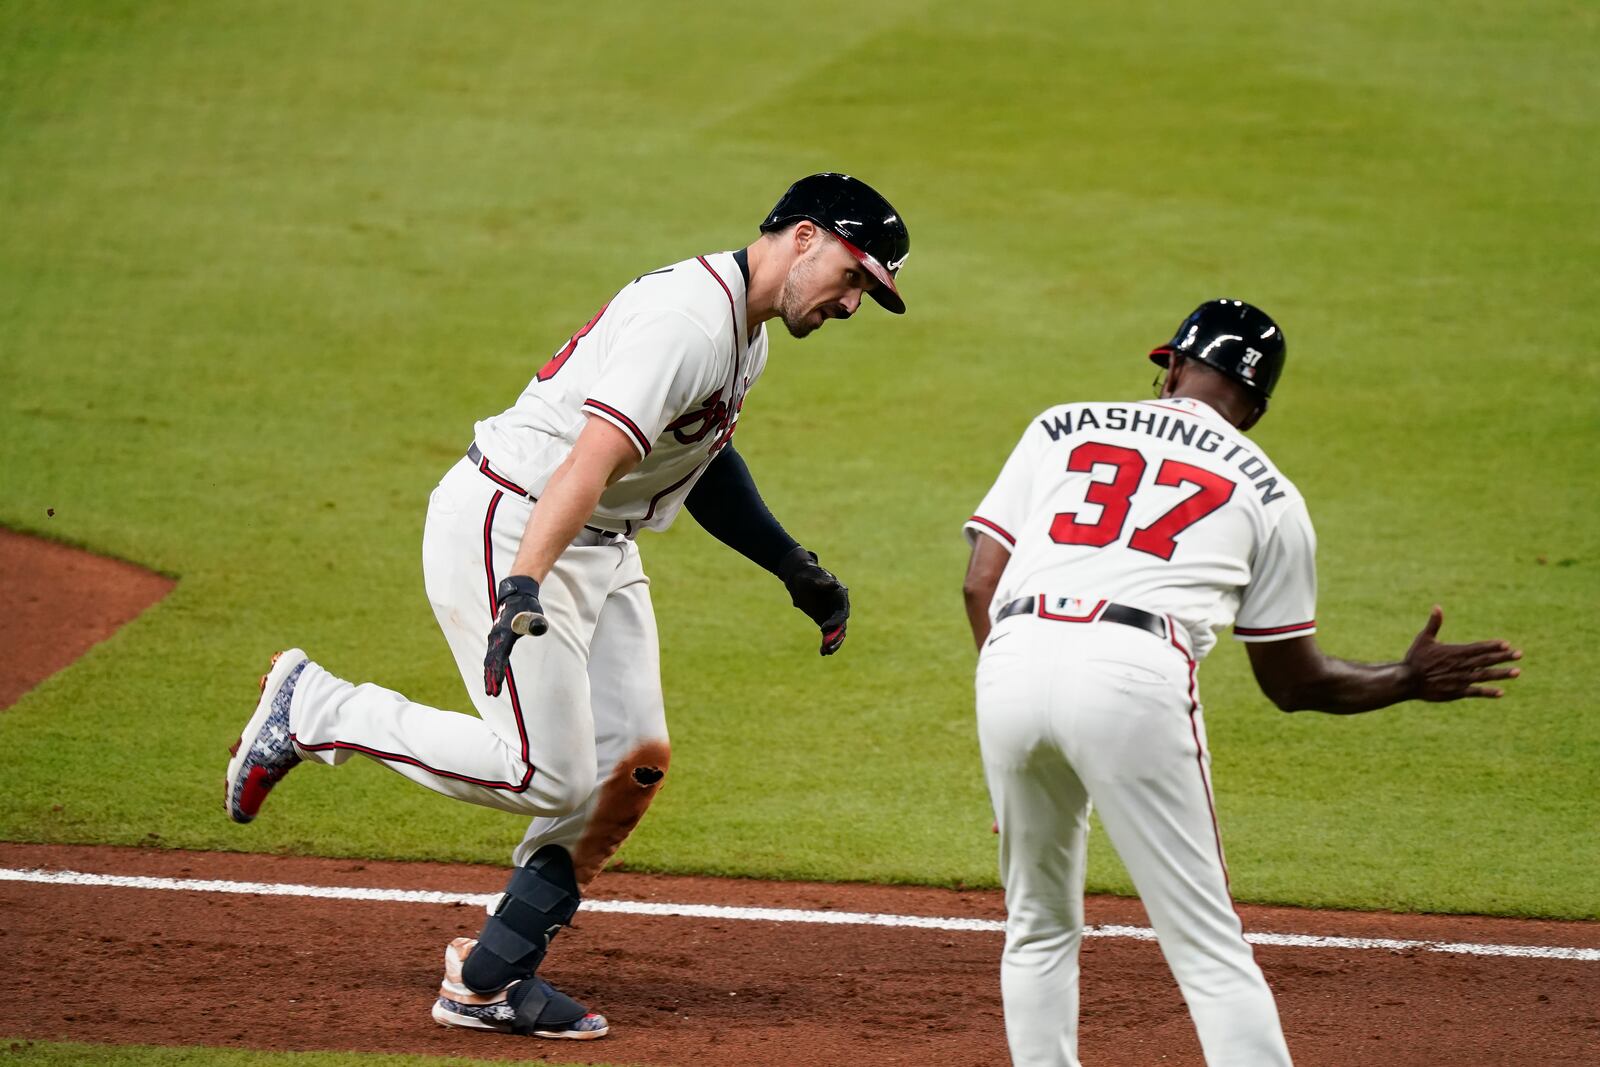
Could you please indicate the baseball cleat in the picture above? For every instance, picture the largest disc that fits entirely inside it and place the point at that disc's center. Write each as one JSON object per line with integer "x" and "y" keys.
{"x": 264, "y": 754}
{"x": 531, "y": 1006}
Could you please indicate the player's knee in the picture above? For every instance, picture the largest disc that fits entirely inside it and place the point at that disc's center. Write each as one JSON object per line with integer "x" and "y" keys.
{"x": 619, "y": 805}
{"x": 567, "y": 789}
{"x": 646, "y": 765}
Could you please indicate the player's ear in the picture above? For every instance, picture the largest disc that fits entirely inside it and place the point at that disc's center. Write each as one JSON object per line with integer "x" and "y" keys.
{"x": 804, "y": 236}
{"x": 1174, "y": 372}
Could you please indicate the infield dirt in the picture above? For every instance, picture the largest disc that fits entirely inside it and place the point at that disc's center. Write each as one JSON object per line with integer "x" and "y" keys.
{"x": 60, "y": 602}
{"x": 160, "y": 967}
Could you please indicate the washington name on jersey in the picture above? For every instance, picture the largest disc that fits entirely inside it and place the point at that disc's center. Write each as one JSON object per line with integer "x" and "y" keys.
{"x": 1162, "y": 505}
{"x": 1167, "y": 426}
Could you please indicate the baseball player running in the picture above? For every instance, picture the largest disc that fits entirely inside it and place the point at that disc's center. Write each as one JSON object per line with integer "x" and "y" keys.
{"x": 1117, "y": 539}
{"x": 531, "y": 535}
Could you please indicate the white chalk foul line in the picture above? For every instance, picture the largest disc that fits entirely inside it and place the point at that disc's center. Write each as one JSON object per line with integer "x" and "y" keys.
{"x": 779, "y": 915}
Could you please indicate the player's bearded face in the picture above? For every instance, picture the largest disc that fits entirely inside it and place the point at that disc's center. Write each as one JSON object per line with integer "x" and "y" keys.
{"x": 812, "y": 293}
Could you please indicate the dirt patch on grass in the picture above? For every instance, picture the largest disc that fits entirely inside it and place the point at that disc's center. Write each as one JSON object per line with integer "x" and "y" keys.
{"x": 126, "y": 965}
{"x": 58, "y": 602}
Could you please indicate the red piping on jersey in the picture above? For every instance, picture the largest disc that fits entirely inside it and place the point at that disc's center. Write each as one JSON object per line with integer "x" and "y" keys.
{"x": 735, "y": 398}
{"x": 1169, "y": 407}
{"x": 627, "y": 423}
{"x": 674, "y": 486}
{"x": 1199, "y": 749}
{"x": 1045, "y": 613}
{"x": 1268, "y": 631}
{"x": 981, "y": 521}
{"x": 505, "y": 483}
{"x": 725, "y": 289}
{"x": 511, "y": 690}
{"x": 488, "y": 551}
{"x": 1173, "y": 630}
{"x": 395, "y": 757}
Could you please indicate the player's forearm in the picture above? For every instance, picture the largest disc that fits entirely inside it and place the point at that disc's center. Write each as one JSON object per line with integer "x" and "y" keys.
{"x": 977, "y": 591}
{"x": 983, "y": 576}
{"x": 1342, "y": 687}
{"x": 978, "y": 612}
{"x": 984, "y": 569}
{"x": 601, "y": 456}
{"x": 569, "y": 499}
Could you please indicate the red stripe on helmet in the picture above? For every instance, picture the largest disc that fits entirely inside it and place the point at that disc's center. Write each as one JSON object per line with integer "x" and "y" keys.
{"x": 878, "y": 270}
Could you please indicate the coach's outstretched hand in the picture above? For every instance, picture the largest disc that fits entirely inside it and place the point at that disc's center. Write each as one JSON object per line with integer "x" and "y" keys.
{"x": 520, "y": 614}
{"x": 814, "y": 590}
{"x": 1450, "y": 672}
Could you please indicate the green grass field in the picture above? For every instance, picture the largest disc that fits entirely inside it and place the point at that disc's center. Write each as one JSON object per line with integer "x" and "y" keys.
{"x": 262, "y": 266}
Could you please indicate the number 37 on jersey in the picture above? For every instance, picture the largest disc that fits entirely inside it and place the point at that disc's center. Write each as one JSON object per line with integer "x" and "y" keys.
{"x": 1115, "y": 499}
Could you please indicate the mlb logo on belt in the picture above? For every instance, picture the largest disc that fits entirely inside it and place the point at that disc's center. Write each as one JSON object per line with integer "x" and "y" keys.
{"x": 1068, "y": 608}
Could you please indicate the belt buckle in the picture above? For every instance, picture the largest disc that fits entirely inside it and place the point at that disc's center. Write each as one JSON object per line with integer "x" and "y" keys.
{"x": 1068, "y": 608}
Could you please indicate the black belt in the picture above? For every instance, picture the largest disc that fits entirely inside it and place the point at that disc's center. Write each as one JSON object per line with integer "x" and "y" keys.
{"x": 1101, "y": 612}
{"x": 475, "y": 455}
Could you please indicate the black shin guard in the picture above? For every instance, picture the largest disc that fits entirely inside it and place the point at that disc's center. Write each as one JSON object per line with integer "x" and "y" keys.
{"x": 540, "y": 899}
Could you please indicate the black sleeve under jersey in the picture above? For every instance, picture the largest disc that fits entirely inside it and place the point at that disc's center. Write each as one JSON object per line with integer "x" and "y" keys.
{"x": 726, "y": 503}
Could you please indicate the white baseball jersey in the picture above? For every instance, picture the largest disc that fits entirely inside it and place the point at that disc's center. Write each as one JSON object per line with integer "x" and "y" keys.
{"x": 668, "y": 361}
{"x": 1161, "y": 505}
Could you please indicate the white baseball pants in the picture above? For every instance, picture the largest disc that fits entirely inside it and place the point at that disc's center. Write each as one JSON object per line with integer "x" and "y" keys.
{"x": 1074, "y": 714}
{"x": 578, "y": 699}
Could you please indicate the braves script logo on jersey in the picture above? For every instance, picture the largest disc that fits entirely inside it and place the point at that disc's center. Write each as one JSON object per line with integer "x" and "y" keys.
{"x": 714, "y": 413}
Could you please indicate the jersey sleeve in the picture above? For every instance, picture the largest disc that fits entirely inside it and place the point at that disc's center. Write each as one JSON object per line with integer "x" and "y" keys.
{"x": 1005, "y": 506}
{"x": 1281, "y": 600}
{"x": 655, "y": 371}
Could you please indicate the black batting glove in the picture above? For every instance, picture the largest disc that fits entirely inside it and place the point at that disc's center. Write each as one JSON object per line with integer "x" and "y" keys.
{"x": 814, "y": 590}
{"x": 520, "y": 614}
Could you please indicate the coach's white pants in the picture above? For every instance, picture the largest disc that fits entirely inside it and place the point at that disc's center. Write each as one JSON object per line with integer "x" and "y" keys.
{"x": 1070, "y": 714}
{"x": 579, "y": 698}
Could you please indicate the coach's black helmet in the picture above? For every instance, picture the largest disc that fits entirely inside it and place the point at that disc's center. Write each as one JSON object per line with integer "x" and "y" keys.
{"x": 1236, "y": 338}
{"x": 864, "y": 222}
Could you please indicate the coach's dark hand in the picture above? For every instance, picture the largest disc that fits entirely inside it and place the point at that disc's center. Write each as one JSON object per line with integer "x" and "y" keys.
{"x": 520, "y": 613}
{"x": 1450, "y": 672}
{"x": 815, "y": 591}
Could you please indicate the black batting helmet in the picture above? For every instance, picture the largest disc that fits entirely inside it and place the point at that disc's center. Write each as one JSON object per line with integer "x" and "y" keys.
{"x": 863, "y": 221}
{"x": 1236, "y": 338}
